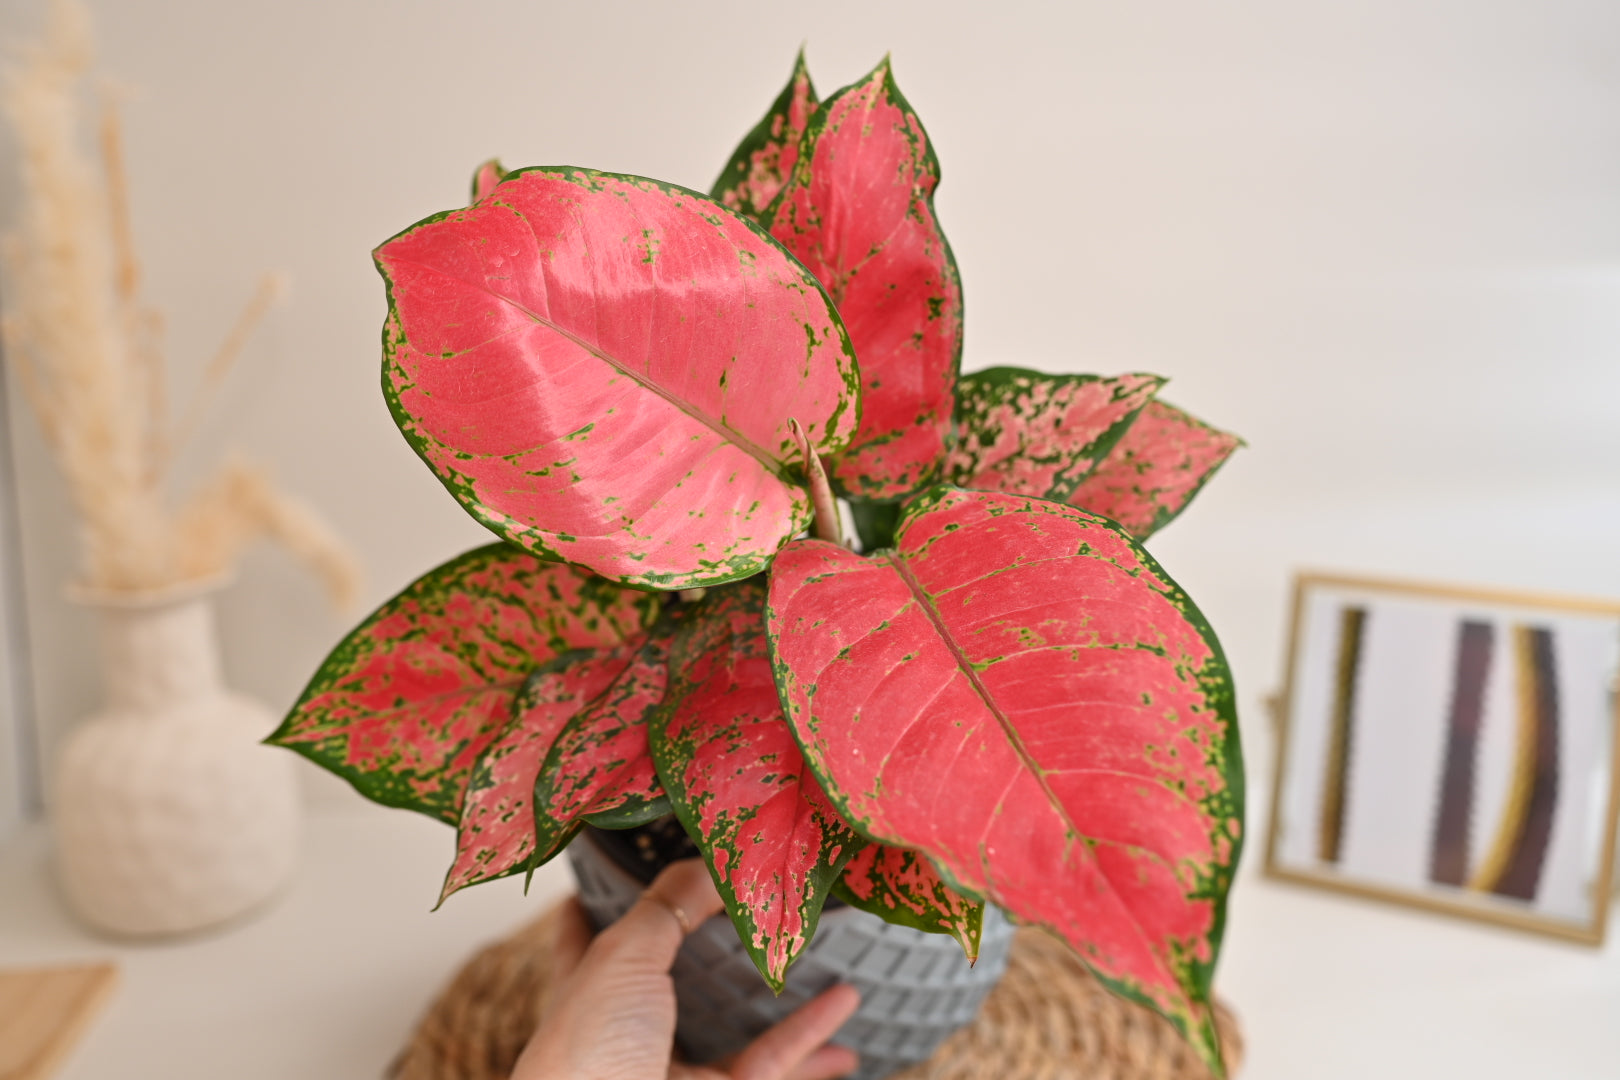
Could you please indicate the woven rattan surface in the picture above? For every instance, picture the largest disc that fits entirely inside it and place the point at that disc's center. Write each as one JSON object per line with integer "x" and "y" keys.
{"x": 1047, "y": 1020}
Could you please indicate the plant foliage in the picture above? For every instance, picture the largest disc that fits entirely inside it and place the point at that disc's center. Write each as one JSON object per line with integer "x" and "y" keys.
{"x": 1001, "y": 698}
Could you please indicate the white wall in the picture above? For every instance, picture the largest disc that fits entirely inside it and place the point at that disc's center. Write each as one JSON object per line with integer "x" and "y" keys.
{"x": 1381, "y": 240}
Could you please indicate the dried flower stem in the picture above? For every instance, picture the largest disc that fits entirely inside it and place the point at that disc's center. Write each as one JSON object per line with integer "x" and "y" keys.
{"x": 128, "y": 276}
{"x": 271, "y": 288}
{"x": 87, "y": 353}
{"x": 65, "y": 322}
{"x": 241, "y": 504}
{"x": 140, "y": 325}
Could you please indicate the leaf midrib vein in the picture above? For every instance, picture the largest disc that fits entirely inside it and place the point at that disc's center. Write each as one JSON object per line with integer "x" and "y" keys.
{"x": 925, "y": 601}
{"x": 965, "y": 666}
{"x": 725, "y": 431}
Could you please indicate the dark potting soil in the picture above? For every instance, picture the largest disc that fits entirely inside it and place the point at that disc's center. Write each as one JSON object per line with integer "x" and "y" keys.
{"x": 646, "y": 849}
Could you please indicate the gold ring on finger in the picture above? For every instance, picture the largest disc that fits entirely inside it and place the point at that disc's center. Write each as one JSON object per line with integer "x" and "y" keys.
{"x": 670, "y": 906}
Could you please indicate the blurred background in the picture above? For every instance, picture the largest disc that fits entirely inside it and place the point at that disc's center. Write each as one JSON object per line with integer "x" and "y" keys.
{"x": 1381, "y": 241}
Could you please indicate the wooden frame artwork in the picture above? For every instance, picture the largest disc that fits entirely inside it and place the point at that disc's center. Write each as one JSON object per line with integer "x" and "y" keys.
{"x": 1455, "y": 749}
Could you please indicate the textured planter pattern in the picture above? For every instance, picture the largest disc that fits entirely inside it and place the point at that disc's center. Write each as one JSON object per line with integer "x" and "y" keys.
{"x": 916, "y": 988}
{"x": 169, "y": 816}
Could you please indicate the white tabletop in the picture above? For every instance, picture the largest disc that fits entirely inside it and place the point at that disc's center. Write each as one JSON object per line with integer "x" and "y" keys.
{"x": 324, "y": 983}
{"x": 327, "y": 981}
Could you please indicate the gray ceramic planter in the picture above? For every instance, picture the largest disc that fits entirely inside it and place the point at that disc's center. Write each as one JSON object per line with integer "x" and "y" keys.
{"x": 916, "y": 988}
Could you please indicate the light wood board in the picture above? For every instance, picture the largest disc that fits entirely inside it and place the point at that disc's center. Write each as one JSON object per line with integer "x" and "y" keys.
{"x": 44, "y": 1011}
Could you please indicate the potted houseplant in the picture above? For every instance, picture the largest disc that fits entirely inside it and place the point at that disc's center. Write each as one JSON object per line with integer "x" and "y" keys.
{"x": 999, "y": 701}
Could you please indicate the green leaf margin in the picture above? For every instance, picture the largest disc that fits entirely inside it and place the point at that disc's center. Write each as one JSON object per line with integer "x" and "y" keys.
{"x": 802, "y": 173}
{"x": 900, "y": 915}
{"x": 393, "y": 336}
{"x": 982, "y": 390}
{"x": 671, "y": 764}
{"x": 380, "y": 786}
{"x": 1215, "y": 678}
{"x": 760, "y": 136}
{"x": 555, "y": 835}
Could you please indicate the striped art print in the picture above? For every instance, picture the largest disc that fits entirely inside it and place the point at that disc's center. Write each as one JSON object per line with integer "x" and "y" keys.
{"x": 1452, "y": 749}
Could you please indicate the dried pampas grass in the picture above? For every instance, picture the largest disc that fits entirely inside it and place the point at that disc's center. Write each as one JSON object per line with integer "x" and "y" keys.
{"x": 241, "y": 504}
{"x": 86, "y": 351}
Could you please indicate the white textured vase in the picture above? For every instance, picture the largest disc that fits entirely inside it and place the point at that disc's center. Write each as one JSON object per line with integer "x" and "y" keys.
{"x": 169, "y": 814}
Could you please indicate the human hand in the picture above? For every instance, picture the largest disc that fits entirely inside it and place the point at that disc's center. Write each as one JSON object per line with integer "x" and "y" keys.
{"x": 612, "y": 1011}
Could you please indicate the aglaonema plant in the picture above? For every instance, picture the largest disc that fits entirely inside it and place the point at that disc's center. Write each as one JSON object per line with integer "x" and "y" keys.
{"x": 1001, "y": 698}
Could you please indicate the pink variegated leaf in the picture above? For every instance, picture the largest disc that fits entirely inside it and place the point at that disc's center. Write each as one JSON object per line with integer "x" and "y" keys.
{"x": 903, "y": 887}
{"x": 486, "y": 177}
{"x": 599, "y": 769}
{"x": 1020, "y": 693}
{"x": 1028, "y": 433}
{"x": 497, "y": 833}
{"x": 739, "y": 783}
{"x": 1155, "y": 469}
{"x": 765, "y": 158}
{"x": 859, "y": 212}
{"x": 405, "y": 705}
{"x": 601, "y": 369}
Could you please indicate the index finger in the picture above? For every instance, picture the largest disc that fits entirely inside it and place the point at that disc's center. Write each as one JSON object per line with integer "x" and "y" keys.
{"x": 651, "y": 932}
{"x": 688, "y": 886}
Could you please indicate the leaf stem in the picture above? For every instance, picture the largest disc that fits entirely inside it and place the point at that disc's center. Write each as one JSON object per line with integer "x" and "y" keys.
{"x": 828, "y": 526}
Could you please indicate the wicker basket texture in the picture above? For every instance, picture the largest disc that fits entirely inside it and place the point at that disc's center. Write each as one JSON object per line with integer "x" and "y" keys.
{"x": 1048, "y": 1019}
